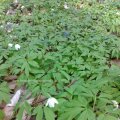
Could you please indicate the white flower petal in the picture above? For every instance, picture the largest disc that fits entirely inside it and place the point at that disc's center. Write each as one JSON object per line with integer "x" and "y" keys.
{"x": 22, "y": 7}
{"x": 2, "y": 26}
{"x": 55, "y": 101}
{"x": 16, "y": 1}
{"x": 118, "y": 13}
{"x": 115, "y": 103}
{"x": 51, "y": 102}
{"x": 65, "y": 6}
{"x": 17, "y": 46}
{"x": 10, "y": 45}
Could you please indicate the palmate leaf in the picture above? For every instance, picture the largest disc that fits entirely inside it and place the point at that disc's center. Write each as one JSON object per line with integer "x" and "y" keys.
{"x": 49, "y": 114}
{"x": 106, "y": 117}
{"x": 38, "y": 111}
{"x": 70, "y": 114}
{"x": 71, "y": 110}
{"x": 26, "y": 67}
{"x": 25, "y": 107}
{"x": 4, "y": 66}
{"x": 20, "y": 113}
{"x": 87, "y": 114}
{"x": 33, "y": 63}
{"x": 4, "y": 92}
{"x": 65, "y": 74}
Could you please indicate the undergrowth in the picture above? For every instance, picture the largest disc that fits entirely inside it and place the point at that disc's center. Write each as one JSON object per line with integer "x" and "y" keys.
{"x": 66, "y": 54}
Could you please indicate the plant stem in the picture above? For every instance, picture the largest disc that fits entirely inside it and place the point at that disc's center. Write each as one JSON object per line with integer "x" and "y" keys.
{"x": 94, "y": 103}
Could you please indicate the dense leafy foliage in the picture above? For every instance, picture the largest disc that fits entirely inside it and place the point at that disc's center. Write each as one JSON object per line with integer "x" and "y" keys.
{"x": 65, "y": 53}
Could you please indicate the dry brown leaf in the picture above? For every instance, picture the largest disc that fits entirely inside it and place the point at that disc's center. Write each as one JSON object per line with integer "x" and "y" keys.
{"x": 10, "y": 78}
{"x": 115, "y": 62}
{"x": 10, "y": 12}
{"x": 38, "y": 100}
{"x": 25, "y": 116}
{"x": 43, "y": 10}
{"x": 2, "y": 105}
{"x": 12, "y": 85}
{"x": 8, "y": 111}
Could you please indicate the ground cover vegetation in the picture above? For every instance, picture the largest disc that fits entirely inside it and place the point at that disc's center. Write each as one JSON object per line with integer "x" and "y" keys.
{"x": 68, "y": 50}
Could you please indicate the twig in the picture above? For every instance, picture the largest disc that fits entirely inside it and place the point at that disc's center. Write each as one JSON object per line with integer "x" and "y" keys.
{"x": 71, "y": 83}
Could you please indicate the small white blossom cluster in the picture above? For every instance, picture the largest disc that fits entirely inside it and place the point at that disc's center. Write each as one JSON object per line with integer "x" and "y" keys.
{"x": 118, "y": 13}
{"x": 66, "y": 6}
{"x": 2, "y": 26}
{"x": 115, "y": 104}
{"x": 17, "y": 46}
{"x": 51, "y": 102}
{"x": 22, "y": 7}
{"x": 16, "y": 1}
{"x": 10, "y": 45}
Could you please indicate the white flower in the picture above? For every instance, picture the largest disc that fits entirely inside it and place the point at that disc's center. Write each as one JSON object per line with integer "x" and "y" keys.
{"x": 65, "y": 6}
{"x": 15, "y": 98}
{"x": 16, "y": 1}
{"x": 10, "y": 45}
{"x": 118, "y": 13}
{"x": 51, "y": 102}
{"x": 115, "y": 103}
{"x": 2, "y": 26}
{"x": 52, "y": 9}
{"x": 17, "y": 46}
{"x": 22, "y": 7}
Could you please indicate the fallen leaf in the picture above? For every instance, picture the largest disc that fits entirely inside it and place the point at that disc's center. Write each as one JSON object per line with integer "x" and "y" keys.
{"x": 38, "y": 100}
{"x": 25, "y": 116}
{"x": 12, "y": 85}
{"x": 8, "y": 112}
{"x": 15, "y": 98}
{"x": 115, "y": 62}
{"x": 2, "y": 105}
{"x": 10, "y": 78}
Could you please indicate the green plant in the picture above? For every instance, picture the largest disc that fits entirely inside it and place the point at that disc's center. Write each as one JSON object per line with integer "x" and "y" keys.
{"x": 64, "y": 53}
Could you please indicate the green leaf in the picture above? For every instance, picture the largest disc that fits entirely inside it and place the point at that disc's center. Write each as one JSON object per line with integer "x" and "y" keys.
{"x": 70, "y": 113}
{"x": 20, "y": 113}
{"x": 1, "y": 115}
{"x": 65, "y": 74}
{"x": 4, "y": 92}
{"x": 49, "y": 114}
{"x": 26, "y": 67}
{"x": 4, "y": 66}
{"x": 27, "y": 107}
{"x": 88, "y": 114}
{"x": 33, "y": 63}
{"x": 106, "y": 117}
{"x": 38, "y": 111}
